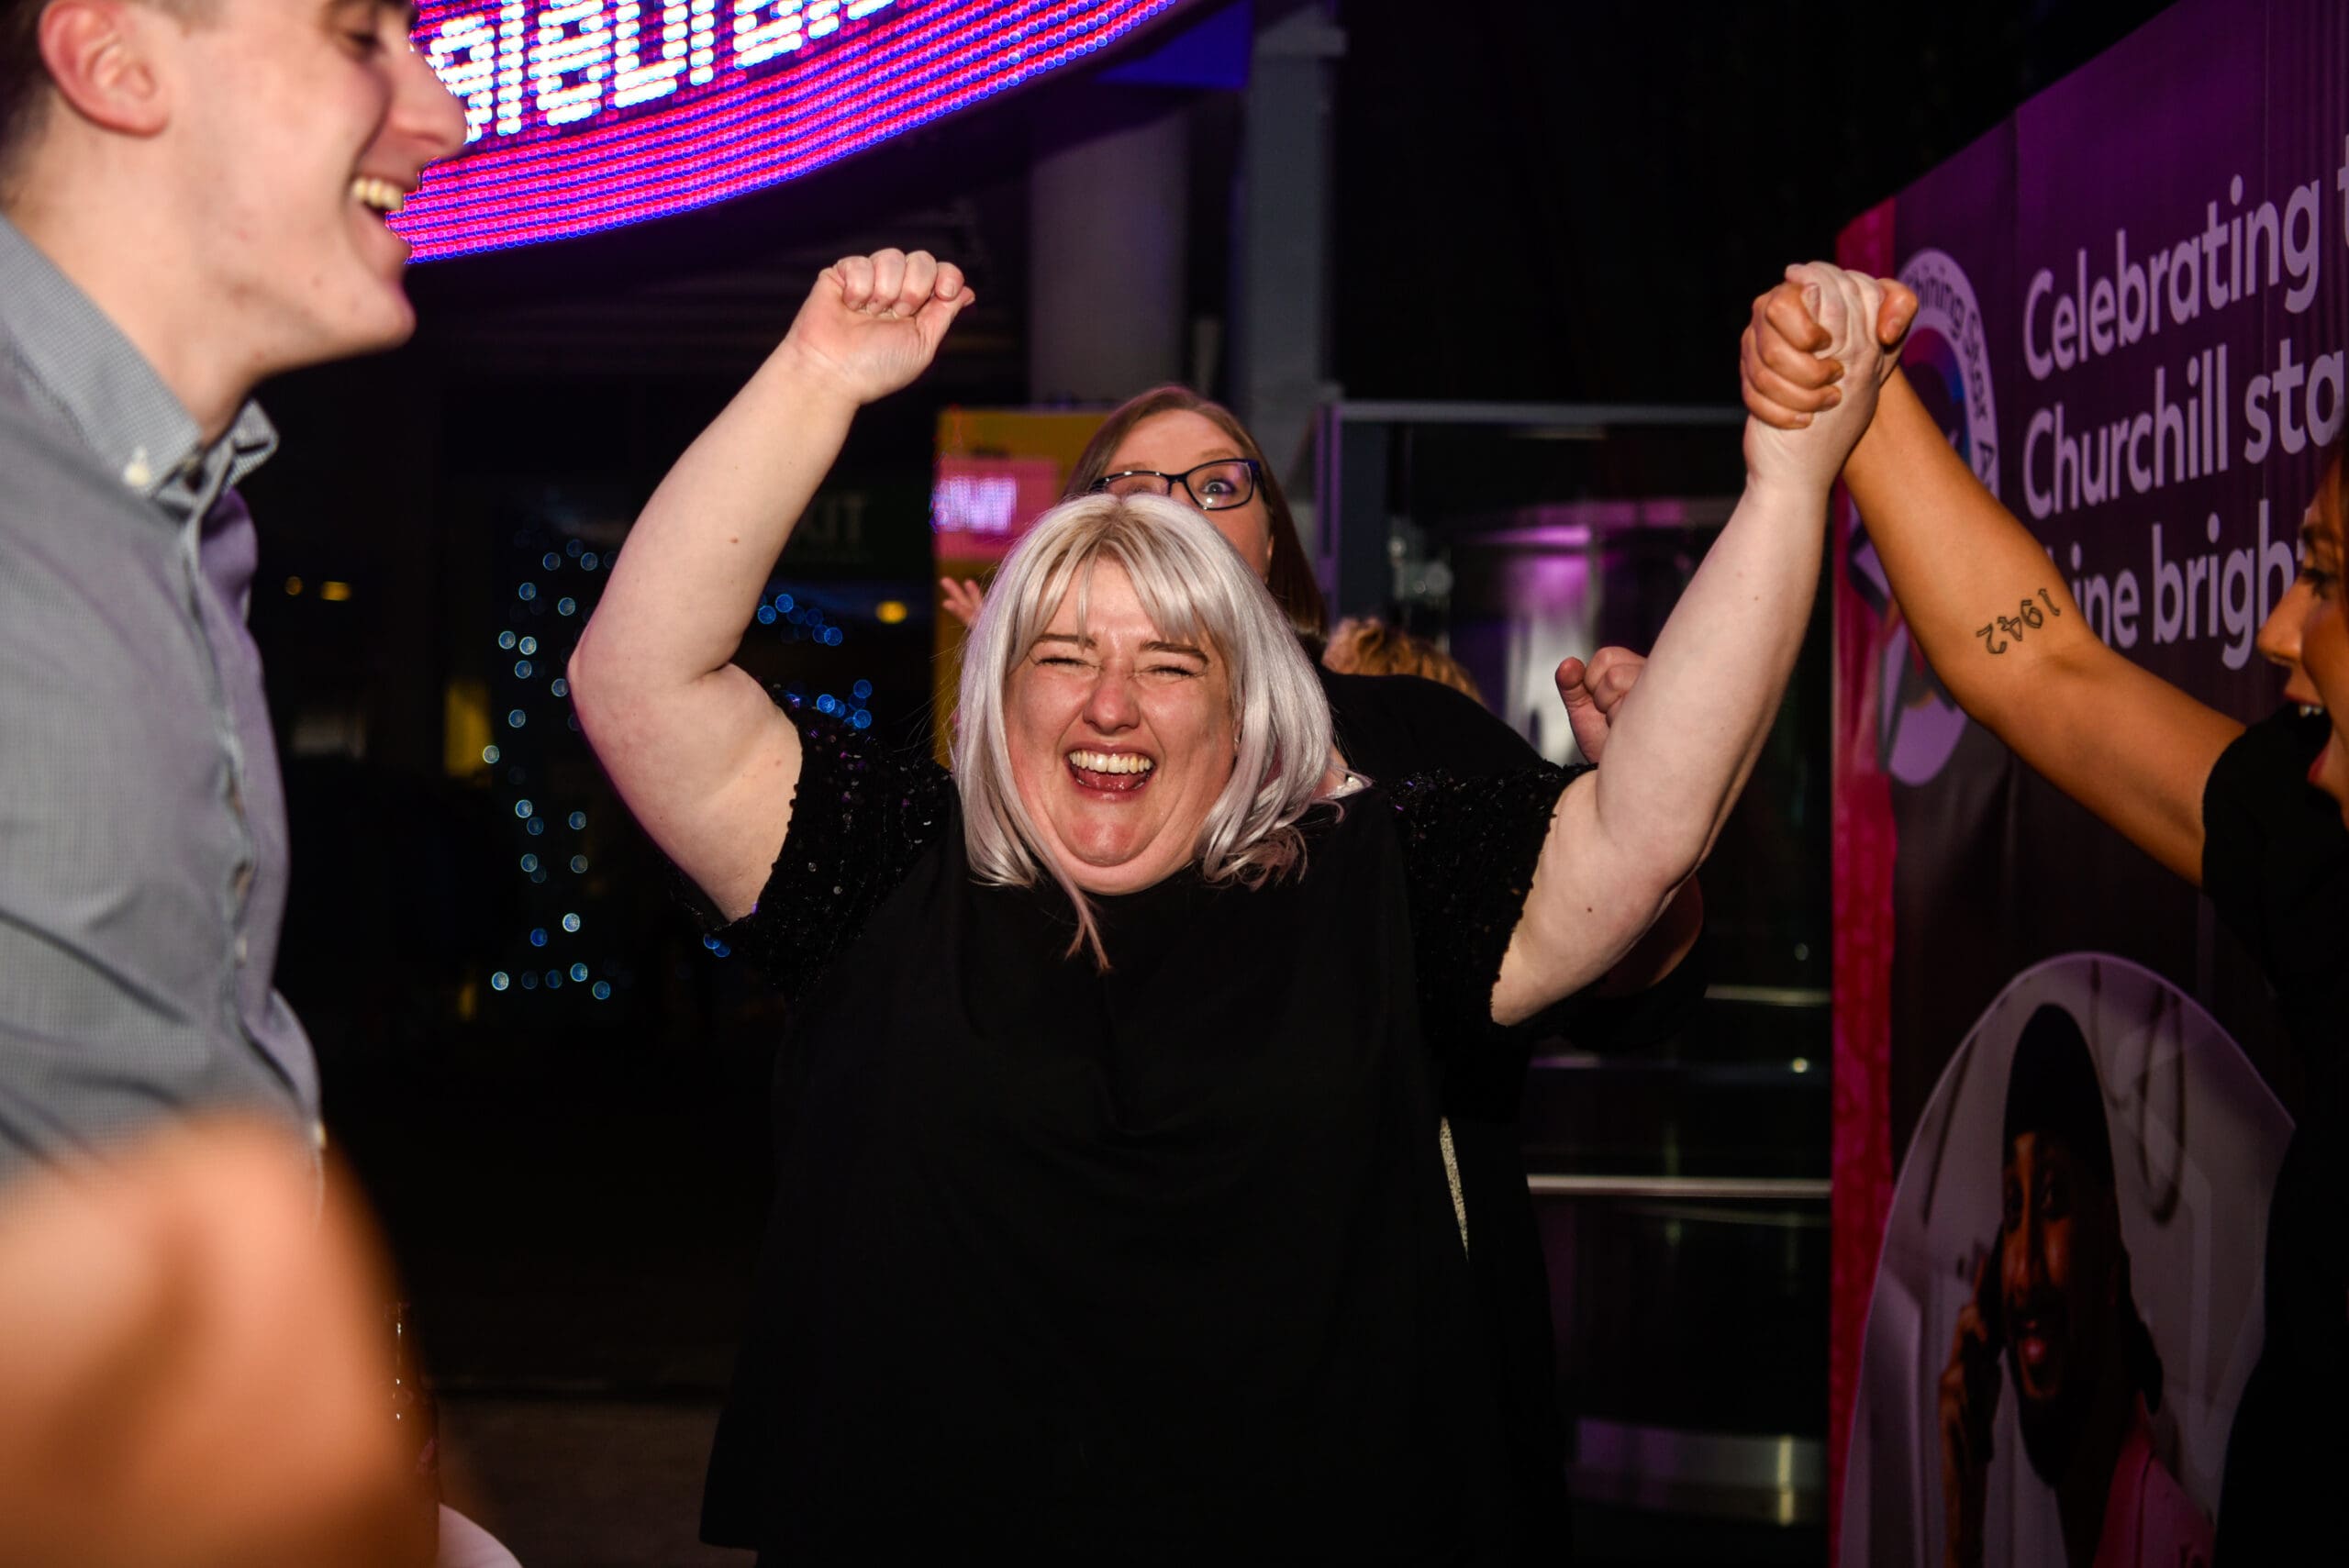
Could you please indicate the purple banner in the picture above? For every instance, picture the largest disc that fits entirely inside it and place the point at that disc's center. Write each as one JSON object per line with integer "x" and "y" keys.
{"x": 2132, "y": 326}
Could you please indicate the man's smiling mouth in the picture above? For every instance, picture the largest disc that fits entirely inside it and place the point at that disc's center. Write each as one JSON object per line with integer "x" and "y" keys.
{"x": 372, "y": 191}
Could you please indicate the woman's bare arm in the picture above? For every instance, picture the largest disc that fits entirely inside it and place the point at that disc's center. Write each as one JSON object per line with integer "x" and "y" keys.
{"x": 706, "y": 761}
{"x": 2122, "y": 742}
{"x": 1627, "y": 835}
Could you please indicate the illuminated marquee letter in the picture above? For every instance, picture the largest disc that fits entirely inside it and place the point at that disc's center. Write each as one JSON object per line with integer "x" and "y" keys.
{"x": 647, "y": 69}
{"x": 764, "y": 29}
{"x": 463, "y": 54}
{"x": 513, "y": 53}
{"x": 704, "y": 55}
{"x": 570, "y": 58}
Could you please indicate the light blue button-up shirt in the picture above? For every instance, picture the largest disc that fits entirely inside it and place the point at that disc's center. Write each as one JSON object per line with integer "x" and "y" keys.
{"x": 142, "y": 820}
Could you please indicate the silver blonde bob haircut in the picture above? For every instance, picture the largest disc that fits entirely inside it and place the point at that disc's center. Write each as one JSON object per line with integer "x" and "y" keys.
{"x": 1194, "y": 586}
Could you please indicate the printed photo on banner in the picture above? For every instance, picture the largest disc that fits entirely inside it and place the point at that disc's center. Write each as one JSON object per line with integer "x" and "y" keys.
{"x": 2068, "y": 1303}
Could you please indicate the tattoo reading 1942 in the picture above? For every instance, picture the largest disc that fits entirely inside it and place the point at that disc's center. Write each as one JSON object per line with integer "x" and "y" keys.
{"x": 2029, "y": 618}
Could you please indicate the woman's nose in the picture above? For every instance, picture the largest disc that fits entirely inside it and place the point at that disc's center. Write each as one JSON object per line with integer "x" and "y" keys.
{"x": 2279, "y": 634}
{"x": 1111, "y": 704}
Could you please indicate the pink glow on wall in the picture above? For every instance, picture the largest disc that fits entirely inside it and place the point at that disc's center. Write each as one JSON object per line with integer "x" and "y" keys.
{"x": 585, "y": 115}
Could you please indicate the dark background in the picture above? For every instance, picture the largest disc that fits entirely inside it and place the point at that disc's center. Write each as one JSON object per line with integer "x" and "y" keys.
{"x": 1531, "y": 201}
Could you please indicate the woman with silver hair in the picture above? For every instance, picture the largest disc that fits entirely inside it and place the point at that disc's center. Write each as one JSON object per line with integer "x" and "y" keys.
{"x": 1110, "y": 1221}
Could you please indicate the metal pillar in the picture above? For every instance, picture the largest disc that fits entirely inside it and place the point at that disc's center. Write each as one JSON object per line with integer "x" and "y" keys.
{"x": 1107, "y": 204}
{"x": 1280, "y": 304}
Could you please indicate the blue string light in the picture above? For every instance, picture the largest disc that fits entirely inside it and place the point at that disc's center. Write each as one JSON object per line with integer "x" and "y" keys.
{"x": 499, "y": 981}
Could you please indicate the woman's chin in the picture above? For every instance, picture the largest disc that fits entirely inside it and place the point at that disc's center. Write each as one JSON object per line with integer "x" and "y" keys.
{"x": 1117, "y": 863}
{"x": 2330, "y": 771}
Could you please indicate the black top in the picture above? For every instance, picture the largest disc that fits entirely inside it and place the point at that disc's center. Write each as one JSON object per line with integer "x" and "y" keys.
{"x": 1152, "y": 1265}
{"x": 2276, "y": 864}
{"x": 1391, "y": 726}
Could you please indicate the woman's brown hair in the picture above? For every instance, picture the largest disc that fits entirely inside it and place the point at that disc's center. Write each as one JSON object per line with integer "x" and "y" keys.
{"x": 1291, "y": 574}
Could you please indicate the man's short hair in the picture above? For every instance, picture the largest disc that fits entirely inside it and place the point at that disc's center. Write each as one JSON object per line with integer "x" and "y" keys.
{"x": 24, "y": 78}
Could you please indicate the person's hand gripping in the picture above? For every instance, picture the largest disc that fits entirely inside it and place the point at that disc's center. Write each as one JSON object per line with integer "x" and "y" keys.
{"x": 1783, "y": 380}
{"x": 1847, "y": 308}
{"x": 872, "y": 323}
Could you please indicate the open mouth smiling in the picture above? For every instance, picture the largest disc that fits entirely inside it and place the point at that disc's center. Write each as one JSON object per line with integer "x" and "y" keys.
{"x": 1111, "y": 772}
{"x": 377, "y": 193}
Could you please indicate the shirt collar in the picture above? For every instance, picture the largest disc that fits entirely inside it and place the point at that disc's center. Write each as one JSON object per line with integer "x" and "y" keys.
{"x": 80, "y": 360}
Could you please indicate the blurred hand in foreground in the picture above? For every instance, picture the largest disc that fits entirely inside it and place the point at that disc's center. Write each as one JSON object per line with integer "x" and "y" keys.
{"x": 194, "y": 1372}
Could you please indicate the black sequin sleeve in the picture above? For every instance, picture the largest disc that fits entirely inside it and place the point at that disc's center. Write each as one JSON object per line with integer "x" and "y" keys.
{"x": 860, "y": 820}
{"x": 1469, "y": 849}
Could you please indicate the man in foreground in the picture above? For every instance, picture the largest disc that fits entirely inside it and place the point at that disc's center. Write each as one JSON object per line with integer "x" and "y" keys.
{"x": 192, "y": 198}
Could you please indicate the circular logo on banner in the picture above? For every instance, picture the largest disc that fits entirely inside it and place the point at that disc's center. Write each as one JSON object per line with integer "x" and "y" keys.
{"x": 2081, "y": 1226}
{"x": 1948, "y": 362}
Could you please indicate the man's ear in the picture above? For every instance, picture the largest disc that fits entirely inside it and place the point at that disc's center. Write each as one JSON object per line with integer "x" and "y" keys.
{"x": 100, "y": 54}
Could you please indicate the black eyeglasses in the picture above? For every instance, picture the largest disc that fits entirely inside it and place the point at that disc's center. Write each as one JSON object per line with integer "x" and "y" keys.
{"x": 1212, "y": 486}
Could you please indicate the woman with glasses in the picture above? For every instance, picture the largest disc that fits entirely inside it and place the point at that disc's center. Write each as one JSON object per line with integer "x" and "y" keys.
{"x": 1109, "y": 1223}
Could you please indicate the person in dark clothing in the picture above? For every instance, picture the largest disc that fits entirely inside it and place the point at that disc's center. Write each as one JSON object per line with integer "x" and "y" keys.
{"x": 1171, "y": 441}
{"x": 2229, "y": 808}
{"x": 1110, "y": 1223}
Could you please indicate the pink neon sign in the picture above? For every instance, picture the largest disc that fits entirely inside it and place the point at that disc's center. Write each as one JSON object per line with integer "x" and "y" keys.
{"x": 585, "y": 115}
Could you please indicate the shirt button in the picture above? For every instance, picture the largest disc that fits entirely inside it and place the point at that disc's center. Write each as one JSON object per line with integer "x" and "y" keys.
{"x": 318, "y": 1136}
{"x": 241, "y": 948}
